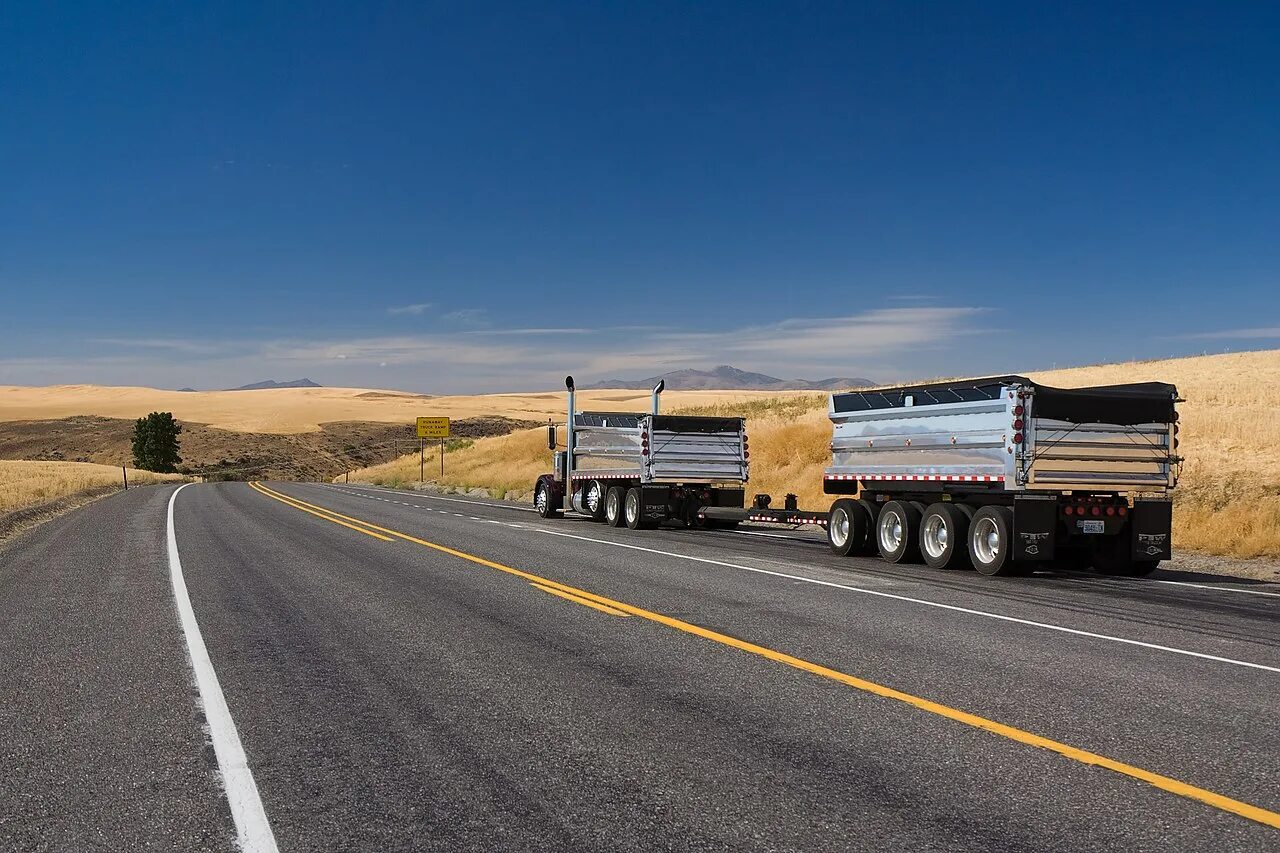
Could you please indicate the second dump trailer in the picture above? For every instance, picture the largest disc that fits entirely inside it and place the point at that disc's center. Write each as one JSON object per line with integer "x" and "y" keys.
{"x": 1002, "y": 474}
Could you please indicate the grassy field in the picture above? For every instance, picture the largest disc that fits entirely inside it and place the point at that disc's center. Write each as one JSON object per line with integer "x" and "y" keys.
{"x": 1227, "y": 502}
{"x": 24, "y": 484}
{"x": 296, "y": 410}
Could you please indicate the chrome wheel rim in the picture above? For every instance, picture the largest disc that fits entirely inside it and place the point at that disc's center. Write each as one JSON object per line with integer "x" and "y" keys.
{"x": 935, "y": 534}
{"x": 840, "y": 527}
{"x": 986, "y": 541}
{"x": 540, "y": 499}
{"x": 632, "y": 508}
{"x": 593, "y": 497}
{"x": 611, "y": 508}
{"x": 892, "y": 531}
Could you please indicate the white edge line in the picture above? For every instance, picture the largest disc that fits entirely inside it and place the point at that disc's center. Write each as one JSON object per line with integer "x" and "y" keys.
{"x": 253, "y": 830}
{"x": 1221, "y": 588}
{"x": 956, "y": 608}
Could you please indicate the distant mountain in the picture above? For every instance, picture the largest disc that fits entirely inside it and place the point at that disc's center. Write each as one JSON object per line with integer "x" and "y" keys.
{"x": 728, "y": 378}
{"x": 272, "y": 383}
{"x": 187, "y": 390}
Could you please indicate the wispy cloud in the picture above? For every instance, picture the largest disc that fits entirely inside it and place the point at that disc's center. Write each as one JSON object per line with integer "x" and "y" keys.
{"x": 465, "y": 315}
{"x": 415, "y": 310}
{"x": 888, "y": 343}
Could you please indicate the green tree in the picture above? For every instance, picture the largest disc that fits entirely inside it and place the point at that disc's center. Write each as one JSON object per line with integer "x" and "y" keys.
{"x": 155, "y": 443}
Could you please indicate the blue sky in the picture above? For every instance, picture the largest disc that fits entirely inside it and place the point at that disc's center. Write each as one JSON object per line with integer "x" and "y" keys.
{"x": 473, "y": 197}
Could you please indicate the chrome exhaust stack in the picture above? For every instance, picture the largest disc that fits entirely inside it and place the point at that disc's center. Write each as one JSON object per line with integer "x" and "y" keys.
{"x": 657, "y": 391}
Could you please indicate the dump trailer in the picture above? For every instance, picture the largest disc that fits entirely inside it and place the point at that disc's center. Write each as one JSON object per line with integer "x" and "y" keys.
{"x": 1000, "y": 473}
{"x": 640, "y": 469}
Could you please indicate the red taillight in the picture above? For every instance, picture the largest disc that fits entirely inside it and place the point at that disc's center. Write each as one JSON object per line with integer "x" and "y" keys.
{"x": 1124, "y": 510}
{"x": 1017, "y": 425}
{"x": 1097, "y": 510}
{"x": 1069, "y": 510}
{"x": 1017, "y": 438}
{"x": 1017, "y": 411}
{"x": 1111, "y": 510}
{"x": 746, "y": 454}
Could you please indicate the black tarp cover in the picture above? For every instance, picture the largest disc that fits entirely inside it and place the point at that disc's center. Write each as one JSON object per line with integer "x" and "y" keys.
{"x": 1134, "y": 403}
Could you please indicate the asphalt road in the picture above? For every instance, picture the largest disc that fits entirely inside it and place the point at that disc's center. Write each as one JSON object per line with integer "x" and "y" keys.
{"x": 467, "y": 676}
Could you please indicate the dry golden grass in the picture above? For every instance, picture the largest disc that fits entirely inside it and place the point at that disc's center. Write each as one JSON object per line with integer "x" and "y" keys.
{"x": 24, "y": 484}
{"x": 1227, "y": 501}
{"x": 504, "y": 465}
{"x": 294, "y": 410}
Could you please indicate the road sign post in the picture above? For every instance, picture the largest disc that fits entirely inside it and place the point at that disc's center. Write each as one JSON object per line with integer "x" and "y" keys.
{"x": 431, "y": 428}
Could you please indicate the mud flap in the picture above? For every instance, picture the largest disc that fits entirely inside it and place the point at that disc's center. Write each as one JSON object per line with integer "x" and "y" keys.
{"x": 1035, "y": 527}
{"x": 1151, "y": 526}
{"x": 654, "y": 503}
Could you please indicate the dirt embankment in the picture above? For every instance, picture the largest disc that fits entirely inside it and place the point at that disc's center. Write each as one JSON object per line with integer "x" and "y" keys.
{"x": 338, "y": 446}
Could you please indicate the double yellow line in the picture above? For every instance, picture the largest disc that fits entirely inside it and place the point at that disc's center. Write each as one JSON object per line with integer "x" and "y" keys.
{"x": 620, "y": 608}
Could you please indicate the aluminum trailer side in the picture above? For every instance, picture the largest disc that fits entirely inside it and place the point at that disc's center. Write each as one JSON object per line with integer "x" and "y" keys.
{"x": 639, "y": 469}
{"x": 1002, "y": 473}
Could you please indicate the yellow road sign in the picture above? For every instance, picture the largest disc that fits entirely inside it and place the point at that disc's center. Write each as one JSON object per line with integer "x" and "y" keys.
{"x": 433, "y": 427}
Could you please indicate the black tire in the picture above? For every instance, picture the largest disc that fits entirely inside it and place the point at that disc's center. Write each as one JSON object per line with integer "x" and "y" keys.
{"x": 593, "y": 495}
{"x": 990, "y": 541}
{"x": 944, "y": 532}
{"x": 613, "y": 501}
{"x": 847, "y": 528}
{"x": 633, "y": 510}
{"x": 897, "y": 532}
{"x": 544, "y": 501}
{"x": 872, "y": 509}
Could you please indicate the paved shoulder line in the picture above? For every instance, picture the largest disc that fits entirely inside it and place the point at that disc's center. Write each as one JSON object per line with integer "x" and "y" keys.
{"x": 987, "y": 614}
{"x": 253, "y": 830}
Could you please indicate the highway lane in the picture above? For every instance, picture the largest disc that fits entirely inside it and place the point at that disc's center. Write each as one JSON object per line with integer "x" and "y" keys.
{"x": 391, "y": 695}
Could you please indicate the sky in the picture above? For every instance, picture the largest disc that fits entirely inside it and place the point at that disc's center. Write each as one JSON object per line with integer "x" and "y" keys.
{"x": 470, "y": 197}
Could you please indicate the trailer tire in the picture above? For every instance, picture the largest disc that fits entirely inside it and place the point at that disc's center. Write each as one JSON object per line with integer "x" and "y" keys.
{"x": 872, "y": 509}
{"x": 944, "y": 532}
{"x": 544, "y": 501}
{"x": 991, "y": 539}
{"x": 633, "y": 510}
{"x": 613, "y": 501}
{"x": 847, "y": 528}
{"x": 898, "y": 532}
{"x": 593, "y": 495}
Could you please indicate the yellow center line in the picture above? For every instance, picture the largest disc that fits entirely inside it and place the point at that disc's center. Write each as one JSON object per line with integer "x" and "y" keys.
{"x": 1164, "y": 783}
{"x": 585, "y": 602}
{"x": 285, "y": 500}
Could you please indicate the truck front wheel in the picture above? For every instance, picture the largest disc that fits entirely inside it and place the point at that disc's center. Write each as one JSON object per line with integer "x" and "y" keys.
{"x": 544, "y": 501}
{"x": 990, "y": 539}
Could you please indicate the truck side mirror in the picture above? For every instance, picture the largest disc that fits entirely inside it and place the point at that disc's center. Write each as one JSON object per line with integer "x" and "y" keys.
{"x": 551, "y": 436}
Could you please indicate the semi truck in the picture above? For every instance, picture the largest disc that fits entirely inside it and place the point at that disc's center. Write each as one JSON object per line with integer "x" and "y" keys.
{"x": 1001, "y": 474}
{"x": 640, "y": 469}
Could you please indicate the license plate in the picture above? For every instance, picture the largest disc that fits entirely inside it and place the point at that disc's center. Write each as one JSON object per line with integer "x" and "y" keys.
{"x": 1092, "y": 526}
